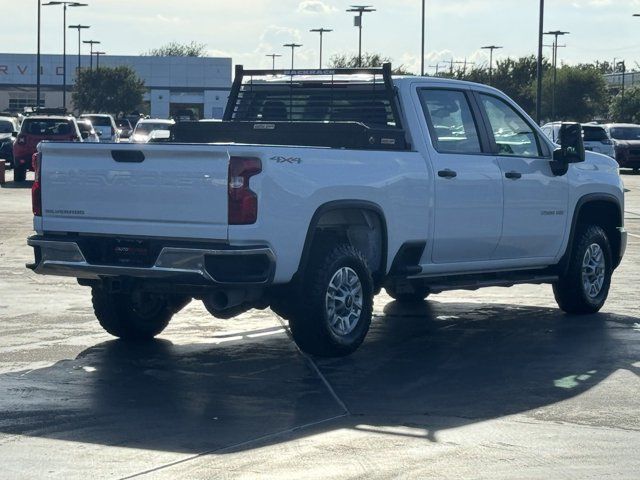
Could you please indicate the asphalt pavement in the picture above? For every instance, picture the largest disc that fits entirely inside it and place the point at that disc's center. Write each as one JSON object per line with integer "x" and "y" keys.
{"x": 495, "y": 384}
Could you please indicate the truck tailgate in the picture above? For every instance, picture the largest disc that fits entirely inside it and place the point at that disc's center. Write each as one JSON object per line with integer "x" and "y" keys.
{"x": 153, "y": 190}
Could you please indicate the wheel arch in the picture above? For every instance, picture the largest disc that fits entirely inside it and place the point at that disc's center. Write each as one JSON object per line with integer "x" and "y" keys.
{"x": 600, "y": 209}
{"x": 370, "y": 211}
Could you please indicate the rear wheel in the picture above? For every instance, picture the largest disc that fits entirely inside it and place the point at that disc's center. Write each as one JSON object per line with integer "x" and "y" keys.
{"x": 335, "y": 316}
{"x": 19, "y": 173}
{"x": 585, "y": 285}
{"x": 134, "y": 316}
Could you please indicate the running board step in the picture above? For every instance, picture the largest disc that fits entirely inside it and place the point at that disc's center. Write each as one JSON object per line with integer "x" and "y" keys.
{"x": 471, "y": 282}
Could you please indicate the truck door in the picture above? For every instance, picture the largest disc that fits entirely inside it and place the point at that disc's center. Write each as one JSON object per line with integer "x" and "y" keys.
{"x": 468, "y": 183}
{"x": 535, "y": 200}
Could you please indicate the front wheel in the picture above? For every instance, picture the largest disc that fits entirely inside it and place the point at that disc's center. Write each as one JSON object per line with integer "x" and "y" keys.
{"x": 335, "y": 316}
{"x": 134, "y": 316}
{"x": 585, "y": 285}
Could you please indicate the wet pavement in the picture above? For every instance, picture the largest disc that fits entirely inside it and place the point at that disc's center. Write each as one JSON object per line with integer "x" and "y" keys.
{"x": 496, "y": 383}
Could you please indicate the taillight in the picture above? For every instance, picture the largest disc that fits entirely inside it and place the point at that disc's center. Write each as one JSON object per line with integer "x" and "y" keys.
{"x": 22, "y": 140}
{"x": 36, "y": 188}
{"x": 243, "y": 202}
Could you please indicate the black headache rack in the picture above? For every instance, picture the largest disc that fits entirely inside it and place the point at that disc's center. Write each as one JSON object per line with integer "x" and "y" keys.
{"x": 354, "y": 108}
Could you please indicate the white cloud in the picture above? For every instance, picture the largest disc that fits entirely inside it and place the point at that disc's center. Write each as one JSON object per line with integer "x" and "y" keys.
{"x": 315, "y": 6}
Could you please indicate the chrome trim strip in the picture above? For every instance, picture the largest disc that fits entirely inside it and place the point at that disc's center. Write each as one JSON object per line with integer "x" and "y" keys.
{"x": 66, "y": 259}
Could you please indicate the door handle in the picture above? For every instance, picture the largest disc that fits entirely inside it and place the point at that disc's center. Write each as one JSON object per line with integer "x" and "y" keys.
{"x": 513, "y": 175}
{"x": 446, "y": 173}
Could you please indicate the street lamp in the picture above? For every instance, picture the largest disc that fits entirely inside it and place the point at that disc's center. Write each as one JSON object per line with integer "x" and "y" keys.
{"x": 292, "y": 46}
{"x": 273, "y": 59}
{"x": 97, "y": 54}
{"x": 64, "y": 4}
{"x": 321, "y": 31}
{"x": 491, "y": 48}
{"x": 79, "y": 28}
{"x": 556, "y": 34}
{"x": 91, "y": 43}
{"x": 357, "y": 22}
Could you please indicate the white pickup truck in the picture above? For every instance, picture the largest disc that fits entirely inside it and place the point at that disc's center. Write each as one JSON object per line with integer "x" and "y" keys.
{"x": 319, "y": 189}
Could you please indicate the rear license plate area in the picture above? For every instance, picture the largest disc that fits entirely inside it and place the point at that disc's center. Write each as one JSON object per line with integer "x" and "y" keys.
{"x": 135, "y": 253}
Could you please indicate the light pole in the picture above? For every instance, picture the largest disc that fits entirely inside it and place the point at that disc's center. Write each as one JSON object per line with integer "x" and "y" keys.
{"x": 539, "y": 65}
{"x": 556, "y": 34}
{"x": 491, "y": 48}
{"x": 38, "y": 60}
{"x": 422, "y": 43}
{"x": 97, "y": 54}
{"x": 292, "y": 46}
{"x": 273, "y": 59}
{"x": 64, "y": 4}
{"x": 321, "y": 31}
{"x": 79, "y": 28}
{"x": 91, "y": 43}
{"x": 357, "y": 22}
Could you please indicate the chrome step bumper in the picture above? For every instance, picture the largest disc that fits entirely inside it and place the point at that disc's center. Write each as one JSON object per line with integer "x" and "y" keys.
{"x": 65, "y": 258}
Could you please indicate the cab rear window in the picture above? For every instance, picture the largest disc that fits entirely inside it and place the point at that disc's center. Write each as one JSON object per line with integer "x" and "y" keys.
{"x": 46, "y": 127}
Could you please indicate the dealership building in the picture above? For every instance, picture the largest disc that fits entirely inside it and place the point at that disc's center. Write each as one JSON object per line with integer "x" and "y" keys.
{"x": 201, "y": 84}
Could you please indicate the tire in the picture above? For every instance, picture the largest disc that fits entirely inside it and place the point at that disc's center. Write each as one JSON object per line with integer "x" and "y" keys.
{"x": 420, "y": 292}
{"x": 316, "y": 325}
{"x": 585, "y": 285}
{"x": 19, "y": 174}
{"x": 124, "y": 315}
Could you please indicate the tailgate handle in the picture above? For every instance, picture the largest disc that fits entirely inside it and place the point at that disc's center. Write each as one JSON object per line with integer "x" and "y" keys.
{"x": 127, "y": 156}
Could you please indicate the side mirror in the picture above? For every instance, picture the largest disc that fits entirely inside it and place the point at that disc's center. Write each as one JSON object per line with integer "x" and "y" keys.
{"x": 571, "y": 148}
{"x": 99, "y": 133}
{"x": 14, "y": 134}
{"x": 84, "y": 135}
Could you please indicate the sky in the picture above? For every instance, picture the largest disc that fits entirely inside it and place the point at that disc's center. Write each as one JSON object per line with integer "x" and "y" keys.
{"x": 248, "y": 30}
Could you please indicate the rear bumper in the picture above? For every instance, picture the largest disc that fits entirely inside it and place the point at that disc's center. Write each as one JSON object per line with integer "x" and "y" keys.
{"x": 180, "y": 265}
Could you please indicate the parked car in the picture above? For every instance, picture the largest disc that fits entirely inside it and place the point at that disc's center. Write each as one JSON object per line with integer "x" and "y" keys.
{"x": 105, "y": 125}
{"x": 8, "y": 125}
{"x": 87, "y": 131}
{"x": 146, "y": 126}
{"x": 313, "y": 195}
{"x": 595, "y": 137}
{"x": 125, "y": 128}
{"x": 34, "y": 130}
{"x": 626, "y": 140}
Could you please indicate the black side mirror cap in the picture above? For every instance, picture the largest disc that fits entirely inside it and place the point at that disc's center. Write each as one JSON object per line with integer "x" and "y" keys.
{"x": 571, "y": 143}
{"x": 14, "y": 134}
{"x": 84, "y": 135}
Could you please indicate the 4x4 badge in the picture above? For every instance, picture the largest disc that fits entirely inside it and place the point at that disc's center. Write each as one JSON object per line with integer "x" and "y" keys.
{"x": 281, "y": 159}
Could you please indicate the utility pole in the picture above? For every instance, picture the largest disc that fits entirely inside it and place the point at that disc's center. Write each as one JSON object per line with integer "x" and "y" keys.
{"x": 357, "y": 22}
{"x": 556, "y": 34}
{"x": 321, "y": 31}
{"x": 623, "y": 71}
{"x": 39, "y": 68}
{"x": 273, "y": 59}
{"x": 79, "y": 28}
{"x": 64, "y": 4}
{"x": 436, "y": 66}
{"x": 491, "y": 48}
{"x": 91, "y": 43}
{"x": 539, "y": 65}
{"x": 97, "y": 54}
{"x": 292, "y": 46}
{"x": 423, "y": 39}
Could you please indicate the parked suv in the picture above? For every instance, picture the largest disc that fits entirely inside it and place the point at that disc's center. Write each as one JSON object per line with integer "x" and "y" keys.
{"x": 595, "y": 137}
{"x": 8, "y": 125}
{"x": 626, "y": 139}
{"x": 105, "y": 125}
{"x": 36, "y": 129}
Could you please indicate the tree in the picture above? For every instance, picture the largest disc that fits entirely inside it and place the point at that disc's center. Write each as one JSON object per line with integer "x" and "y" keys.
{"x": 175, "y": 49}
{"x": 368, "y": 60}
{"x": 581, "y": 94}
{"x": 108, "y": 90}
{"x": 631, "y": 112}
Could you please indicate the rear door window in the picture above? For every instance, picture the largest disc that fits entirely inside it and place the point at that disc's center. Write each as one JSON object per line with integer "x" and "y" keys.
{"x": 46, "y": 127}
{"x": 451, "y": 122}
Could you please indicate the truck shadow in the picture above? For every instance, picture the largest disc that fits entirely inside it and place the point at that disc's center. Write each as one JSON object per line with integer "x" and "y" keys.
{"x": 447, "y": 364}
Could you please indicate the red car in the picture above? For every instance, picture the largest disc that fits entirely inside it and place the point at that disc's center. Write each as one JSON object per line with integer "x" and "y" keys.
{"x": 35, "y": 129}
